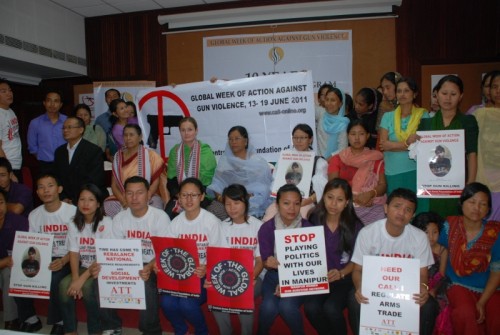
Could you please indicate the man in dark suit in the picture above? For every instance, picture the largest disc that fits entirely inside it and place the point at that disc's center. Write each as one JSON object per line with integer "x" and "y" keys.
{"x": 78, "y": 162}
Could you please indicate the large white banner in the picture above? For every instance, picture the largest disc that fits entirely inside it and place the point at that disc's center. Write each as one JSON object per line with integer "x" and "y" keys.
{"x": 268, "y": 107}
{"x": 328, "y": 54}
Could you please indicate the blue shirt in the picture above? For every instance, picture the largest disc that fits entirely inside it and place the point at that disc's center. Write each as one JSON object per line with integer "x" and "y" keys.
{"x": 104, "y": 121}
{"x": 44, "y": 137}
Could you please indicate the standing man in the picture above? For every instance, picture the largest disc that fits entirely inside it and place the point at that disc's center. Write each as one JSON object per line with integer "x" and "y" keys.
{"x": 139, "y": 219}
{"x": 103, "y": 120}
{"x": 394, "y": 237}
{"x": 45, "y": 132}
{"x": 78, "y": 162}
{"x": 10, "y": 142}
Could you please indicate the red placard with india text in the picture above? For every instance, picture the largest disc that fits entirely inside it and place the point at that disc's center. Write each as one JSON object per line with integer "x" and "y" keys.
{"x": 177, "y": 260}
{"x": 231, "y": 273}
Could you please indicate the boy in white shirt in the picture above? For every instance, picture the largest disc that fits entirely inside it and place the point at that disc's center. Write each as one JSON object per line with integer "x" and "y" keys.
{"x": 52, "y": 217}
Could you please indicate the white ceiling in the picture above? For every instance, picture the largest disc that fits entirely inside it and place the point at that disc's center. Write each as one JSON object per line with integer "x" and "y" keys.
{"x": 90, "y": 8}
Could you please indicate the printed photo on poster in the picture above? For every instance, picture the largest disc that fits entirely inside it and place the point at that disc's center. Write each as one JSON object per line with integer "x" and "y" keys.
{"x": 294, "y": 167}
{"x": 31, "y": 255}
{"x": 440, "y": 163}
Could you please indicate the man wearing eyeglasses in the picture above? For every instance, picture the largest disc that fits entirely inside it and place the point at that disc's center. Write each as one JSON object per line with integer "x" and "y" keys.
{"x": 78, "y": 161}
{"x": 45, "y": 132}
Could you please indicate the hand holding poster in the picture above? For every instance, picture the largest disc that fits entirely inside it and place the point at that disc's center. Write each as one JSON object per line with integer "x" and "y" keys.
{"x": 441, "y": 164}
{"x": 302, "y": 261}
{"x": 31, "y": 256}
{"x": 120, "y": 285}
{"x": 389, "y": 284}
{"x": 231, "y": 273}
{"x": 294, "y": 167}
{"x": 177, "y": 260}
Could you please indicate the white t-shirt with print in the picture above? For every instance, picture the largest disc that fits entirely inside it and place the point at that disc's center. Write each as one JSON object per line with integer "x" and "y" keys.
{"x": 205, "y": 230}
{"x": 53, "y": 223}
{"x": 128, "y": 227}
{"x": 9, "y": 135}
{"x": 374, "y": 240}
{"x": 83, "y": 242}
{"x": 242, "y": 235}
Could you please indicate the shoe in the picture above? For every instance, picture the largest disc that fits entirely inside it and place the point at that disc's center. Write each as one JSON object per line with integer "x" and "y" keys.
{"x": 57, "y": 329}
{"x": 117, "y": 331}
{"x": 31, "y": 327}
{"x": 12, "y": 325}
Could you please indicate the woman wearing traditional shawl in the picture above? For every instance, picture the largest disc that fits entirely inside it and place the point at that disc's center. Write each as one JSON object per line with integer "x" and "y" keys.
{"x": 364, "y": 171}
{"x": 240, "y": 164}
{"x": 332, "y": 124}
{"x": 473, "y": 264}
{"x": 135, "y": 160}
{"x": 397, "y": 131}
{"x": 190, "y": 158}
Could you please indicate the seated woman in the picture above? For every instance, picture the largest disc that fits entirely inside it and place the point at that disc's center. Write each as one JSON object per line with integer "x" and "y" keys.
{"x": 473, "y": 265}
{"x": 238, "y": 227}
{"x": 240, "y": 164}
{"x": 302, "y": 139}
{"x": 335, "y": 212}
{"x": 364, "y": 170}
{"x": 88, "y": 224}
{"x": 288, "y": 200}
{"x": 190, "y": 158}
{"x": 93, "y": 133}
{"x": 136, "y": 160}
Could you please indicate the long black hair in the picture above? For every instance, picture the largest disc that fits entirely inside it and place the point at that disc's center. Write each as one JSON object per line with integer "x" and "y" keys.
{"x": 237, "y": 192}
{"x": 348, "y": 218}
{"x": 79, "y": 219}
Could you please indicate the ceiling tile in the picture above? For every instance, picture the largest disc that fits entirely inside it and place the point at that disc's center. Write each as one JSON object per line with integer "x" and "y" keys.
{"x": 77, "y": 3}
{"x": 134, "y": 5}
{"x": 98, "y": 10}
{"x": 178, "y": 3}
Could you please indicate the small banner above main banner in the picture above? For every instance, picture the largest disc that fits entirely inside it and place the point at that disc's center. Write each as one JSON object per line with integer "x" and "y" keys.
{"x": 327, "y": 53}
{"x": 441, "y": 164}
{"x": 30, "y": 274}
{"x": 231, "y": 273}
{"x": 176, "y": 260}
{"x": 268, "y": 107}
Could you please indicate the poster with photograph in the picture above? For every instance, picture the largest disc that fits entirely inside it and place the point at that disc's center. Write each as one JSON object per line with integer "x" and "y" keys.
{"x": 30, "y": 274}
{"x": 294, "y": 167}
{"x": 389, "y": 284}
{"x": 441, "y": 164}
{"x": 230, "y": 271}
{"x": 303, "y": 269}
{"x": 177, "y": 259}
{"x": 120, "y": 285}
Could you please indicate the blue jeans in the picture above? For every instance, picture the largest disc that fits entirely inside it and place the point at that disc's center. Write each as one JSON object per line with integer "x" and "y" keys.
{"x": 26, "y": 308}
{"x": 272, "y": 306}
{"x": 326, "y": 311}
{"x": 149, "y": 319}
{"x": 178, "y": 310}
{"x": 89, "y": 299}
